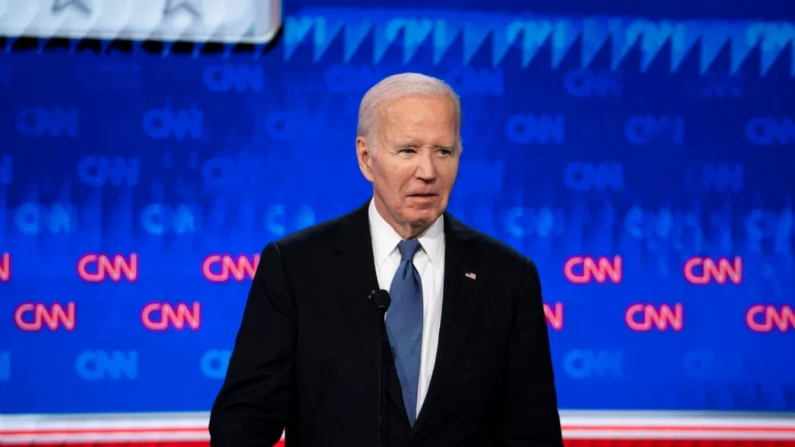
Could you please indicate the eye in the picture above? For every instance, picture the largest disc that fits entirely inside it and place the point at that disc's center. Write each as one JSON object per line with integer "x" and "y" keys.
{"x": 407, "y": 150}
{"x": 446, "y": 151}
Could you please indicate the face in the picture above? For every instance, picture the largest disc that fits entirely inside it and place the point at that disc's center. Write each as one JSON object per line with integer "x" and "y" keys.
{"x": 415, "y": 162}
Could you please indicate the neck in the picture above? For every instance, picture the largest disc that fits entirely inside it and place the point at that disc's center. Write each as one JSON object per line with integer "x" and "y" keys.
{"x": 405, "y": 231}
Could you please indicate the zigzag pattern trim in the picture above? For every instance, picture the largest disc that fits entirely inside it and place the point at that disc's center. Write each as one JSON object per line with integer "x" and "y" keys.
{"x": 411, "y": 29}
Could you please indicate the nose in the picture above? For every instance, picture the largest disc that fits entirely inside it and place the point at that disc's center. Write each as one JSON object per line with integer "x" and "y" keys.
{"x": 426, "y": 169}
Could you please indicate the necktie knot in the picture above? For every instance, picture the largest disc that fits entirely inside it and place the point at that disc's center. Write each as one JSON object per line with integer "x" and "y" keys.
{"x": 408, "y": 248}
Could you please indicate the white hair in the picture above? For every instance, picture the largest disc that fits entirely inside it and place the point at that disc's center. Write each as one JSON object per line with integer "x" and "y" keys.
{"x": 399, "y": 86}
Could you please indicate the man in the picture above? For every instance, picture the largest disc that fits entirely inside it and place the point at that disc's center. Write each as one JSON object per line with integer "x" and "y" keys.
{"x": 466, "y": 325}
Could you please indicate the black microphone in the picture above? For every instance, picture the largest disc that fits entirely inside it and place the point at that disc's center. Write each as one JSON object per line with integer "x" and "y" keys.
{"x": 382, "y": 300}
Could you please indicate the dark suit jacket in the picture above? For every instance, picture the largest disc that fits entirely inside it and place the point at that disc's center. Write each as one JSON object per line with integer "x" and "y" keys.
{"x": 306, "y": 354}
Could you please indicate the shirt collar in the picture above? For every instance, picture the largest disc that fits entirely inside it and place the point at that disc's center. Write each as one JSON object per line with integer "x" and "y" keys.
{"x": 385, "y": 238}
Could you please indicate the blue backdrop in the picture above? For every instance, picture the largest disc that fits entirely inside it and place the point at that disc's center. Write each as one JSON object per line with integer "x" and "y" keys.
{"x": 644, "y": 161}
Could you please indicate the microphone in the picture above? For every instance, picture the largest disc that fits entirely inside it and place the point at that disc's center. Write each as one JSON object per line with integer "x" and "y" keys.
{"x": 382, "y": 300}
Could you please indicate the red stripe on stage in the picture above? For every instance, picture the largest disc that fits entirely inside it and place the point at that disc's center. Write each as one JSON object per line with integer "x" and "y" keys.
{"x": 567, "y": 428}
{"x": 569, "y": 443}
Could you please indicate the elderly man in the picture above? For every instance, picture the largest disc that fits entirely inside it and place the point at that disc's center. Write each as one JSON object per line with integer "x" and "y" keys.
{"x": 470, "y": 352}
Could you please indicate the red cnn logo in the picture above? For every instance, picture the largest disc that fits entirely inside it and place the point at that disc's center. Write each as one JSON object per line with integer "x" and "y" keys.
{"x": 5, "y": 267}
{"x": 642, "y": 317}
{"x": 701, "y": 271}
{"x": 765, "y": 318}
{"x": 161, "y": 316}
{"x": 219, "y": 268}
{"x": 33, "y": 317}
{"x": 584, "y": 269}
{"x": 99, "y": 267}
{"x": 554, "y": 317}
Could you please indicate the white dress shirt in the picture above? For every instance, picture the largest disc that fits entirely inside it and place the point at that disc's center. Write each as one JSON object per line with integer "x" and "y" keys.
{"x": 429, "y": 261}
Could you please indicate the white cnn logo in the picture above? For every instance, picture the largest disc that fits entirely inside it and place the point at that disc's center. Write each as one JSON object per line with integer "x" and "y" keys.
{"x": 223, "y": 21}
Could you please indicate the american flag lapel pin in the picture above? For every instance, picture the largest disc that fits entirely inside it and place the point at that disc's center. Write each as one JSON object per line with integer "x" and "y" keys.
{"x": 470, "y": 275}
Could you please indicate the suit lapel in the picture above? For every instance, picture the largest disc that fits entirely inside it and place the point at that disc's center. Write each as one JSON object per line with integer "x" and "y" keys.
{"x": 459, "y": 302}
{"x": 355, "y": 277}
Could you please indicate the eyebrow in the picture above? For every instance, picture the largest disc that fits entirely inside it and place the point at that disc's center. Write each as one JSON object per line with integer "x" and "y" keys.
{"x": 406, "y": 144}
{"x": 414, "y": 144}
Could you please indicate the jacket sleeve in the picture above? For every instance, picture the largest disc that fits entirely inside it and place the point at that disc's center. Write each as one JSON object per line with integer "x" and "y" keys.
{"x": 252, "y": 407}
{"x": 529, "y": 402}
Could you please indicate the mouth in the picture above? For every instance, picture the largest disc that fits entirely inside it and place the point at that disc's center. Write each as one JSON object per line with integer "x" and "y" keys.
{"x": 423, "y": 195}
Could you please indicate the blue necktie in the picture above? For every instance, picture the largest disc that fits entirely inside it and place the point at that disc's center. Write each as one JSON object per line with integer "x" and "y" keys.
{"x": 404, "y": 325}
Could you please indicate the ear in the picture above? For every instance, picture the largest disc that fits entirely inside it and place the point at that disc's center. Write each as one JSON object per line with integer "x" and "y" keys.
{"x": 365, "y": 156}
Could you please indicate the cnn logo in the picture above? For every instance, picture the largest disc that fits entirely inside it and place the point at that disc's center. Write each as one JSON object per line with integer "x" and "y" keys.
{"x": 162, "y": 316}
{"x": 645, "y": 317}
{"x": 35, "y": 317}
{"x": 223, "y": 268}
{"x": 100, "y": 267}
{"x": 585, "y": 269}
{"x": 702, "y": 271}
{"x": 767, "y": 318}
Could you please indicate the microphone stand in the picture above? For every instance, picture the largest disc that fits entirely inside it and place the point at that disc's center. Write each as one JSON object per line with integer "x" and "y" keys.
{"x": 382, "y": 301}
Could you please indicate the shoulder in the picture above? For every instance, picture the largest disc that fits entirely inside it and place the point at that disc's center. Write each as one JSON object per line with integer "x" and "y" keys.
{"x": 304, "y": 250}
{"x": 315, "y": 235}
{"x": 511, "y": 276}
{"x": 500, "y": 256}
{"x": 313, "y": 239}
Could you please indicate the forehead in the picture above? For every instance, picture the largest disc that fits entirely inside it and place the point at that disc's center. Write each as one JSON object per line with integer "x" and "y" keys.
{"x": 419, "y": 111}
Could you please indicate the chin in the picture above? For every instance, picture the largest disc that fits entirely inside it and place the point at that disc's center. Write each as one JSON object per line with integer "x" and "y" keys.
{"x": 424, "y": 217}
